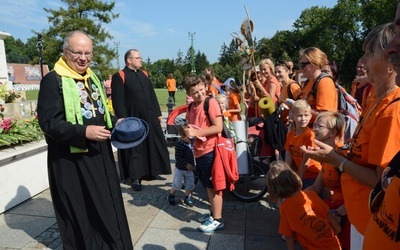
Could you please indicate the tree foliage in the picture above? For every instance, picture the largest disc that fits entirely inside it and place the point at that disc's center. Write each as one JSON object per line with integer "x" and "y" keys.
{"x": 338, "y": 31}
{"x": 87, "y": 16}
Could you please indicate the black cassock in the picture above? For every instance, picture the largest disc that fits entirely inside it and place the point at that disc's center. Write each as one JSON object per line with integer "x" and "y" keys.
{"x": 84, "y": 187}
{"x": 135, "y": 97}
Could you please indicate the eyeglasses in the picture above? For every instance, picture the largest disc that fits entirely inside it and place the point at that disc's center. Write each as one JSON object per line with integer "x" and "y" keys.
{"x": 317, "y": 126}
{"x": 303, "y": 64}
{"x": 79, "y": 54}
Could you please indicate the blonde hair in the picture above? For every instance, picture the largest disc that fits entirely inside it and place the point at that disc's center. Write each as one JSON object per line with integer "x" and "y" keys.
{"x": 299, "y": 105}
{"x": 315, "y": 56}
{"x": 269, "y": 63}
{"x": 335, "y": 121}
{"x": 282, "y": 181}
{"x": 222, "y": 97}
{"x": 379, "y": 36}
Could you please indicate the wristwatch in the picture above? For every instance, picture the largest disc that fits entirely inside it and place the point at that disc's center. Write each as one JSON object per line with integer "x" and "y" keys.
{"x": 341, "y": 166}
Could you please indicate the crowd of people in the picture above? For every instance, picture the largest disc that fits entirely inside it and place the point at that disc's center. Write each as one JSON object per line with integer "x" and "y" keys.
{"x": 322, "y": 188}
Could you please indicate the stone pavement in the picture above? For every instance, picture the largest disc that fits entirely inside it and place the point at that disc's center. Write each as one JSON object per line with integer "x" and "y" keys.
{"x": 154, "y": 224}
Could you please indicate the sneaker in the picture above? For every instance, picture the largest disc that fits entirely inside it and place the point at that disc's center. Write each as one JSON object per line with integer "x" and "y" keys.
{"x": 188, "y": 202}
{"x": 211, "y": 225}
{"x": 204, "y": 218}
{"x": 171, "y": 199}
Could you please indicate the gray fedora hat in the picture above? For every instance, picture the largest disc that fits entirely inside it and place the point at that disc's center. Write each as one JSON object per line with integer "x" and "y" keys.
{"x": 129, "y": 133}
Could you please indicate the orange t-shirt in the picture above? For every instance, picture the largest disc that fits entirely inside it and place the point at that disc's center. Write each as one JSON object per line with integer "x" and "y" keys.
{"x": 326, "y": 97}
{"x": 293, "y": 143}
{"x": 295, "y": 89}
{"x": 375, "y": 145}
{"x": 277, "y": 84}
{"x": 171, "y": 84}
{"x": 331, "y": 180}
{"x": 305, "y": 216}
{"x": 383, "y": 229}
{"x": 213, "y": 90}
{"x": 196, "y": 116}
{"x": 234, "y": 100}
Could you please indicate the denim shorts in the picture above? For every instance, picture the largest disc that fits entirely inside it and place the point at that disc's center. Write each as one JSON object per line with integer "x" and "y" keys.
{"x": 186, "y": 176}
{"x": 203, "y": 166}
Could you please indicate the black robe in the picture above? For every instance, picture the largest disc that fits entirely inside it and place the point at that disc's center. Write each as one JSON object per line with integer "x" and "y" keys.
{"x": 84, "y": 187}
{"x": 134, "y": 96}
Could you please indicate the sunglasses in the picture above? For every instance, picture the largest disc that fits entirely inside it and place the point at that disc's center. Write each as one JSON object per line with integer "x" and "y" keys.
{"x": 378, "y": 193}
{"x": 303, "y": 64}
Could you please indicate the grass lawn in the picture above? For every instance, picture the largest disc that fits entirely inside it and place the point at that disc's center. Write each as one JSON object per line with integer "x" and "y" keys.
{"x": 162, "y": 96}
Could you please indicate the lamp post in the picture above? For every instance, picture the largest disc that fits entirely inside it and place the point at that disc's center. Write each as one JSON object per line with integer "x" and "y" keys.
{"x": 191, "y": 35}
{"x": 116, "y": 44}
{"x": 40, "y": 48}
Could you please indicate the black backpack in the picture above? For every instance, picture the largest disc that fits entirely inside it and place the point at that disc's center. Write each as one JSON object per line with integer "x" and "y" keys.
{"x": 226, "y": 132}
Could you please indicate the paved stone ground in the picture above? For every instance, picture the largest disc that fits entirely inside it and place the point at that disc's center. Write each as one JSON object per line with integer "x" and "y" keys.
{"x": 154, "y": 224}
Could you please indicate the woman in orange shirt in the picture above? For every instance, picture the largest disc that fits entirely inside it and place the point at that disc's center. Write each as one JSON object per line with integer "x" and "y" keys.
{"x": 171, "y": 86}
{"x": 270, "y": 86}
{"x": 375, "y": 140}
{"x": 311, "y": 62}
{"x": 290, "y": 89}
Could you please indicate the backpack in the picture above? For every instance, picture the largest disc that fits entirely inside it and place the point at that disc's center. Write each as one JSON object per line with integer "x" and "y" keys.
{"x": 220, "y": 90}
{"x": 347, "y": 106}
{"x": 227, "y": 132}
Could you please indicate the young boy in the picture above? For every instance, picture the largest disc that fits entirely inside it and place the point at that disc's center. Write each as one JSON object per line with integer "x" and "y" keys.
{"x": 204, "y": 130}
{"x": 223, "y": 104}
{"x": 301, "y": 135}
{"x": 304, "y": 216}
{"x": 184, "y": 167}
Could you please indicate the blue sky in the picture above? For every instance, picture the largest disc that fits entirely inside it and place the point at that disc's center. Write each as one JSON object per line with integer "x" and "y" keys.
{"x": 160, "y": 28}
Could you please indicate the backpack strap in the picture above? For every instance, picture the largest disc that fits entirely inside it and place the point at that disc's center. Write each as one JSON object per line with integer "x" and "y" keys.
{"x": 206, "y": 106}
{"x": 313, "y": 92}
{"x": 289, "y": 90}
{"x": 221, "y": 91}
{"x": 122, "y": 75}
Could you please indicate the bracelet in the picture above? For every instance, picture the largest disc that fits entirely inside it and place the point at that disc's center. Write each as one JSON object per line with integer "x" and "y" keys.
{"x": 341, "y": 166}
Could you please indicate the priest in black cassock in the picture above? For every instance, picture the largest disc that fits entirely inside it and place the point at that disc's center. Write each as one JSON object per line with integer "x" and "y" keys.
{"x": 133, "y": 96}
{"x": 83, "y": 178}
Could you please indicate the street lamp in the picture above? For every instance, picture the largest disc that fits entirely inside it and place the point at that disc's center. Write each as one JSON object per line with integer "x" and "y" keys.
{"x": 116, "y": 44}
{"x": 40, "y": 48}
{"x": 191, "y": 35}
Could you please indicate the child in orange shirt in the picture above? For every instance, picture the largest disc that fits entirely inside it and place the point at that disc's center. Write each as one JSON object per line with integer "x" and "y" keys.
{"x": 304, "y": 217}
{"x": 223, "y": 104}
{"x": 233, "y": 94}
{"x": 329, "y": 128}
{"x": 301, "y": 135}
{"x": 204, "y": 129}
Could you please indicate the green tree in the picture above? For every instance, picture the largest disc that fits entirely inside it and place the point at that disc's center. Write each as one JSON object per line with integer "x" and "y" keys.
{"x": 15, "y": 51}
{"x": 87, "y": 16}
